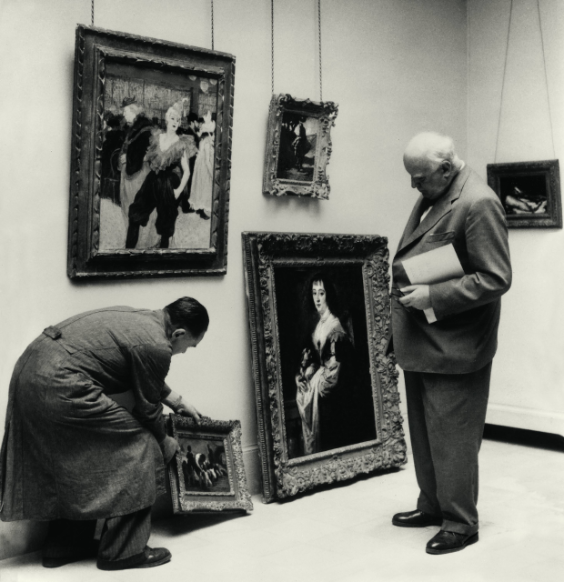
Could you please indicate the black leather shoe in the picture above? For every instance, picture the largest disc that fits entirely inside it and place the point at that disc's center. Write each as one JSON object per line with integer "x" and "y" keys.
{"x": 150, "y": 558}
{"x": 83, "y": 553}
{"x": 446, "y": 542}
{"x": 416, "y": 519}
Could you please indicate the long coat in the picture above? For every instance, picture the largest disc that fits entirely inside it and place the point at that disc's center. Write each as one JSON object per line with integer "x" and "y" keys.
{"x": 464, "y": 339}
{"x": 69, "y": 450}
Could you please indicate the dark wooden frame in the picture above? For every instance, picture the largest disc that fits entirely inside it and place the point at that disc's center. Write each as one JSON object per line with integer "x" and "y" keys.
{"x": 94, "y": 48}
{"x": 549, "y": 169}
{"x": 238, "y": 499}
{"x": 282, "y": 476}
{"x": 326, "y": 112}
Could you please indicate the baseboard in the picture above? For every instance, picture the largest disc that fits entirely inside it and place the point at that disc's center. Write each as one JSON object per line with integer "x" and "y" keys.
{"x": 526, "y": 418}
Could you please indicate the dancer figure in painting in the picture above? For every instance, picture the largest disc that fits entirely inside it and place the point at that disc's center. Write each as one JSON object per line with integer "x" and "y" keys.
{"x": 167, "y": 158}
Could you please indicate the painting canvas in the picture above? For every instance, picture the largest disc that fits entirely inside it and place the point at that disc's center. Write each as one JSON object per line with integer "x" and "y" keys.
{"x": 150, "y": 165}
{"x": 298, "y": 147}
{"x": 529, "y": 192}
{"x": 326, "y": 391}
{"x": 208, "y": 473}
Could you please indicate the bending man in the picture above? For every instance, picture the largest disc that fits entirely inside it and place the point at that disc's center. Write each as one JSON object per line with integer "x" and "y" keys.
{"x": 71, "y": 455}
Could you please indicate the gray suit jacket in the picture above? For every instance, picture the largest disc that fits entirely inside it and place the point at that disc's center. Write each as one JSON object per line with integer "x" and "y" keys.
{"x": 464, "y": 339}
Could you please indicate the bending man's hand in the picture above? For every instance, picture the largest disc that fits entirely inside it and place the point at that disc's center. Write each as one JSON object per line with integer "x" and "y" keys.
{"x": 169, "y": 448}
{"x": 188, "y": 410}
{"x": 416, "y": 296}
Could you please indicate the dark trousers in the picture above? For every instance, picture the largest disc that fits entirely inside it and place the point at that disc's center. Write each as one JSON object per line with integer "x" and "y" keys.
{"x": 122, "y": 541}
{"x": 447, "y": 413}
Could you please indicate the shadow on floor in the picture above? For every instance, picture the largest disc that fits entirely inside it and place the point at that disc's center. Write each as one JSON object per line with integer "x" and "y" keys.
{"x": 527, "y": 438}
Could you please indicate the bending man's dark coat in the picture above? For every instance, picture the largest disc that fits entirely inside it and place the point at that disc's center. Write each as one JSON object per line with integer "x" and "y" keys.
{"x": 69, "y": 450}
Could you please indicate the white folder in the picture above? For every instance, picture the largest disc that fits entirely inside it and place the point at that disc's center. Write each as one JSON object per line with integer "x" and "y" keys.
{"x": 434, "y": 266}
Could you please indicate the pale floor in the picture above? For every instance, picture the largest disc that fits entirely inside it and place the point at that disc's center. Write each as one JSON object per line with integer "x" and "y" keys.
{"x": 345, "y": 534}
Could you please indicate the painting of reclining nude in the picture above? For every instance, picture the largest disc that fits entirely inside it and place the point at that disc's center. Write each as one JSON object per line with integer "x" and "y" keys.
{"x": 208, "y": 472}
{"x": 150, "y": 157}
{"x": 157, "y": 163}
{"x": 529, "y": 192}
{"x": 325, "y": 383}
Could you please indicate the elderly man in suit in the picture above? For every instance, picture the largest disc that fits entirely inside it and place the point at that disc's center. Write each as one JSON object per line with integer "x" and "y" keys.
{"x": 447, "y": 364}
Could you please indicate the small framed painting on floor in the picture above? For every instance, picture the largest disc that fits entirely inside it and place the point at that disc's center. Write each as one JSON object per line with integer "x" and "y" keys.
{"x": 208, "y": 474}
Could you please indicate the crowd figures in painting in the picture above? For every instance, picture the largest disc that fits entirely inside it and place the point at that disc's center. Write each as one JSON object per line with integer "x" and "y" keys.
{"x": 329, "y": 402}
{"x": 157, "y": 167}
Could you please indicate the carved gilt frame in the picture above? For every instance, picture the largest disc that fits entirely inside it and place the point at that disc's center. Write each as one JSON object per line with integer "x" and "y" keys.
{"x": 263, "y": 253}
{"x": 546, "y": 174}
{"x": 325, "y": 114}
{"x": 95, "y": 50}
{"x": 185, "y": 430}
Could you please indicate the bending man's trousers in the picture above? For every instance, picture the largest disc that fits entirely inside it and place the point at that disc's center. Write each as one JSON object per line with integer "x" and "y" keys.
{"x": 122, "y": 541}
{"x": 446, "y": 414}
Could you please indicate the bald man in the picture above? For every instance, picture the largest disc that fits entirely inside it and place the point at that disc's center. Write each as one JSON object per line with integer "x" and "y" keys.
{"x": 447, "y": 364}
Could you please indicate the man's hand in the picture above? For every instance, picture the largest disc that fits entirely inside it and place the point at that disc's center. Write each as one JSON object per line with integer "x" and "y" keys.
{"x": 416, "y": 296}
{"x": 186, "y": 409}
{"x": 169, "y": 448}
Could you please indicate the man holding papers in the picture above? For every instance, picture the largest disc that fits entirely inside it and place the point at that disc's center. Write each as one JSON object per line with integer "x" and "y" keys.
{"x": 445, "y": 315}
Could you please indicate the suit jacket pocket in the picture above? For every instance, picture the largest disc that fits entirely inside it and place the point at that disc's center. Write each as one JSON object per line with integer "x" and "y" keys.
{"x": 441, "y": 236}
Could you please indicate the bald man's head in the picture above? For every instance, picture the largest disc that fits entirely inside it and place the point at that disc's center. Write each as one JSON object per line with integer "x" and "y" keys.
{"x": 431, "y": 161}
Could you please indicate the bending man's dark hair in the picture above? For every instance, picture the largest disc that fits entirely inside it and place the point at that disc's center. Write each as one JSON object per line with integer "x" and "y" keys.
{"x": 188, "y": 313}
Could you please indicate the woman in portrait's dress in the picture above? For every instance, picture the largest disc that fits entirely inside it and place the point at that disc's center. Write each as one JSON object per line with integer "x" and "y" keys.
{"x": 326, "y": 384}
{"x": 202, "y": 181}
{"x": 167, "y": 158}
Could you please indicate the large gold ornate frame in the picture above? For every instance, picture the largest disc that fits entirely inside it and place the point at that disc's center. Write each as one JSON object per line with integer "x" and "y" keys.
{"x": 283, "y": 476}
{"x": 95, "y": 49}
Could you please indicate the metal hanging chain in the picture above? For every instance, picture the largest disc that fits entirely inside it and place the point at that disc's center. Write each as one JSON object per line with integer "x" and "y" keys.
{"x": 319, "y": 31}
{"x": 92, "y": 11}
{"x": 546, "y": 82}
{"x": 503, "y": 81}
{"x": 212, "y": 24}
{"x": 272, "y": 43}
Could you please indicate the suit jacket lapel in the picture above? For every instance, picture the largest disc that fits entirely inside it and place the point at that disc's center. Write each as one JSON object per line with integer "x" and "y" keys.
{"x": 438, "y": 210}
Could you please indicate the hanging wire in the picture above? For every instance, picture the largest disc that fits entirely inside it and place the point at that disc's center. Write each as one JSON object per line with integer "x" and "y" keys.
{"x": 212, "y": 23}
{"x": 319, "y": 31}
{"x": 92, "y": 11}
{"x": 503, "y": 80}
{"x": 272, "y": 43}
{"x": 546, "y": 82}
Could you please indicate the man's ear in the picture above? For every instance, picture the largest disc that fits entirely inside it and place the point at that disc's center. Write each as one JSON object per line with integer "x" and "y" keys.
{"x": 178, "y": 333}
{"x": 447, "y": 168}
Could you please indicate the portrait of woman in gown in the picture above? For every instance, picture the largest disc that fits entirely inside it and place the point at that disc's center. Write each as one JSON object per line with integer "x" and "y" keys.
{"x": 167, "y": 158}
{"x": 327, "y": 387}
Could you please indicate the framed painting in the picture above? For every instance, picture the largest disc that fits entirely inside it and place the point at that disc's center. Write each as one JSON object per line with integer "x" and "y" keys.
{"x": 326, "y": 392}
{"x": 529, "y": 192}
{"x": 208, "y": 475}
{"x": 298, "y": 147}
{"x": 150, "y": 157}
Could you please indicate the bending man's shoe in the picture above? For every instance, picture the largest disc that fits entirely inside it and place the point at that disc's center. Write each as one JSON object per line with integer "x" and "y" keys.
{"x": 416, "y": 519}
{"x": 446, "y": 542}
{"x": 150, "y": 558}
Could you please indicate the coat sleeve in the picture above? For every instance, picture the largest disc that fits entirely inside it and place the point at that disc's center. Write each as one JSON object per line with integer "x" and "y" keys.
{"x": 488, "y": 255}
{"x": 149, "y": 367}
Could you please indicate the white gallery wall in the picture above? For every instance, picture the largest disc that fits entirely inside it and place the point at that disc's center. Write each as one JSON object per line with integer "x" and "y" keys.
{"x": 395, "y": 67}
{"x": 527, "y": 389}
